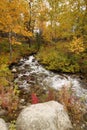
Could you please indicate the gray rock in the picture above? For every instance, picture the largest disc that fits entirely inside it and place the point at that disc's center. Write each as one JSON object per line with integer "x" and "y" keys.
{"x": 44, "y": 116}
{"x": 3, "y": 125}
{"x": 3, "y": 112}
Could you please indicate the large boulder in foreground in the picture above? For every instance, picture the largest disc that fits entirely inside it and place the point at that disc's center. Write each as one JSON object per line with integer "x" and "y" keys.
{"x": 44, "y": 116}
{"x": 3, "y": 125}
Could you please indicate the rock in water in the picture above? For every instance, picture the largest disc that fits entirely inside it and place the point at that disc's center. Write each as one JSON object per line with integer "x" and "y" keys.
{"x": 3, "y": 125}
{"x": 44, "y": 116}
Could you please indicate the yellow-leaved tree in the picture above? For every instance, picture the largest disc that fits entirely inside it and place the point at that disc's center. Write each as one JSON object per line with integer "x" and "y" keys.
{"x": 77, "y": 46}
{"x": 13, "y": 16}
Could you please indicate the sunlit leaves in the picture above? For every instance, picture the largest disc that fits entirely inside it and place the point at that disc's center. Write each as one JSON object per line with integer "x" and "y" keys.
{"x": 76, "y": 46}
{"x": 13, "y": 15}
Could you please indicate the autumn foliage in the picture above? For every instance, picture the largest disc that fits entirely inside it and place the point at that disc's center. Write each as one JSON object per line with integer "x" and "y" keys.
{"x": 13, "y": 16}
{"x": 34, "y": 98}
{"x": 77, "y": 46}
{"x": 9, "y": 99}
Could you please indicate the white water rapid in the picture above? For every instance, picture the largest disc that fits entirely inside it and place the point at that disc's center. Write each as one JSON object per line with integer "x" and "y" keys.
{"x": 31, "y": 68}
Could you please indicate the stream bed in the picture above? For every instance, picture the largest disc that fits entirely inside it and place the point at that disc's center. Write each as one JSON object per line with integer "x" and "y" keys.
{"x": 30, "y": 73}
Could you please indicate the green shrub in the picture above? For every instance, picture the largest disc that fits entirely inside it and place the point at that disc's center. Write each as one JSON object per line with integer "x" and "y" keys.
{"x": 12, "y": 125}
{"x": 58, "y": 58}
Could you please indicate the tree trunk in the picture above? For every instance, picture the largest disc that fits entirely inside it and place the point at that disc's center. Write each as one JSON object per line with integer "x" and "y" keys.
{"x": 10, "y": 45}
{"x": 29, "y": 42}
{"x": 29, "y": 24}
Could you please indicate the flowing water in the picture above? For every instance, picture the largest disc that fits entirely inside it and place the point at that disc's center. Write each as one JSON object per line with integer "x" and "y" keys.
{"x": 30, "y": 72}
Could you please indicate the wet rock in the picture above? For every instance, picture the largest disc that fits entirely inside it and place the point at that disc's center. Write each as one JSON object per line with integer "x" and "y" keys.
{"x": 15, "y": 75}
{"x": 19, "y": 83}
{"x": 31, "y": 82}
{"x": 3, "y": 125}
{"x": 44, "y": 116}
{"x": 33, "y": 60}
{"x": 32, "y": 77}
{"x": 37, "y": 64}
{"x": 20, "y": 63}
{"x": 24, "y": 77}
{"x": 27, "y": 66}
{"x": 21, "y": 70}
{"x": 81, "y": 77}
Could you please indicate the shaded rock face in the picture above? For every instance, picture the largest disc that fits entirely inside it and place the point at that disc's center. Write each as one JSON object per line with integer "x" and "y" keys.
{"x": 44, "y": 116}
{"x": 3, "y": 125}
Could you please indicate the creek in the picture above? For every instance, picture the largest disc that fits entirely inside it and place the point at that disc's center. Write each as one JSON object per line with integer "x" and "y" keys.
{"x": 30, "y": 73}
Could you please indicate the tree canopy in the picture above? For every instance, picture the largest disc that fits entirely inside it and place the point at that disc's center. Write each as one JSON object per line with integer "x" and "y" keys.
{"x": 13, "y": 16}
{"x": 57, "y": 19}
